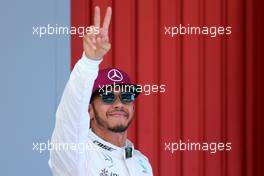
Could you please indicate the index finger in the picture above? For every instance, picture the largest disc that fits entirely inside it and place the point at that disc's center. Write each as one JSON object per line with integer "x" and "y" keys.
{"x": 97, "y": 17}
{"x": 107, "y": 18}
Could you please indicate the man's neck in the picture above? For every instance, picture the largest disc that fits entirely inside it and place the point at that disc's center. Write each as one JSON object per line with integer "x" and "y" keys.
{"x": 117, "y": 139}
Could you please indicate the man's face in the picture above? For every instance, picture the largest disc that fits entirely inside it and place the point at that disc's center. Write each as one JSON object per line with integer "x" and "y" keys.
{"x": 115, "y": 117}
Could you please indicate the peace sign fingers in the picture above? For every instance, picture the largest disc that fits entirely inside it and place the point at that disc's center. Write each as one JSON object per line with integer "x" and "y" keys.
{"x": 96, "y": 45}
{"x": 107, "y": 18}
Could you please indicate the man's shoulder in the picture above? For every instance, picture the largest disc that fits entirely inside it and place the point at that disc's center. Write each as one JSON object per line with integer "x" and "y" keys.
{"x": 140, "y": 155}
{"x": 143, "y": 162}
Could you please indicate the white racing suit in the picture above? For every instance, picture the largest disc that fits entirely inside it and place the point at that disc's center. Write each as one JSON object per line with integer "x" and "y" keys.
{"x": 96, "y": 157}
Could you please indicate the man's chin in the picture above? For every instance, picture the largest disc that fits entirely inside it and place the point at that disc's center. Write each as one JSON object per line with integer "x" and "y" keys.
{"x": 118, "y": 121}
{"x": 118, "y": 128}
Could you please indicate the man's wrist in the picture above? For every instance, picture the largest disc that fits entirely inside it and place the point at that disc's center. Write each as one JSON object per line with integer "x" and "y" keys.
{"x": 96, "y": 58}
{"x": 91, "y": 62}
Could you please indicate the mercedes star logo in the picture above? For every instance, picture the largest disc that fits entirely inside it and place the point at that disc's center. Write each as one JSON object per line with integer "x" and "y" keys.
{"x": 115, "y": 75}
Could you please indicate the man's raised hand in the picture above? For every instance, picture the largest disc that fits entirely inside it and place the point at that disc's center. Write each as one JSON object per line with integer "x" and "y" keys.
{"x": 96, "y": 45}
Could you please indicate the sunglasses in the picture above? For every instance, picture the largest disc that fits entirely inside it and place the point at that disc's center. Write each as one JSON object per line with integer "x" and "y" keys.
{"x": 110, "y": 97}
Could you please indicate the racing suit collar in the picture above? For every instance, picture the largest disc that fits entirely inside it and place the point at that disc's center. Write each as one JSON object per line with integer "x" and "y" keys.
{"x": 107, "y": 146}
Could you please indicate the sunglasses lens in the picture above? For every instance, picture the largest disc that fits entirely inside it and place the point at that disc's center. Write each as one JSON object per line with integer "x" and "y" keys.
{"x": 127, "y": 97}
{"x": 108, "y": 98}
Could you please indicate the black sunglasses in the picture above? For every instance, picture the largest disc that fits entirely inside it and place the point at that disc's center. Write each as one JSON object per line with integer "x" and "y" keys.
{"x": 110, "y": 97}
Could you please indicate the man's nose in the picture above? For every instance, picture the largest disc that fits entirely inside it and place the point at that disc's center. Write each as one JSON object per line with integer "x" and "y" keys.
{"x": 118, "y": 103}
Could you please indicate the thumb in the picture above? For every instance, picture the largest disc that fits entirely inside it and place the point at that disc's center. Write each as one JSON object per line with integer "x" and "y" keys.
{"x": 105, "y": 46}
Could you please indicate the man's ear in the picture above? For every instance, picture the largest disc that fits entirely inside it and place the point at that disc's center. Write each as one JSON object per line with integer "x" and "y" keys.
{"x": 91, "y": 111}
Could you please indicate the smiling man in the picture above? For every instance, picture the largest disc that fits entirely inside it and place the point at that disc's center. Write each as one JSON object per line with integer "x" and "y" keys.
{"x": 95, "y": 111}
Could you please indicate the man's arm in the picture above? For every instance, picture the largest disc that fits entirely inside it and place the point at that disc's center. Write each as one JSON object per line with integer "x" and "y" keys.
{"x": 72, "y": 118}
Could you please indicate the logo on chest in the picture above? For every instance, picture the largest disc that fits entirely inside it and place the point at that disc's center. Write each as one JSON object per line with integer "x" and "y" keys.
{"x": 103, "y": 146}
{"x": 105, "y": 172}
{"x": 109, "y": 161}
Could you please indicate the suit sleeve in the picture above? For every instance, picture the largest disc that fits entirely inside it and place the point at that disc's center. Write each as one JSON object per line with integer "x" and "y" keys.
{"x": 73, "y": 120}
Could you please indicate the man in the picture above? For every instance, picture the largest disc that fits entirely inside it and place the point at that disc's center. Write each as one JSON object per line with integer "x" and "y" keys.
{"x": 89, "y": 99}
